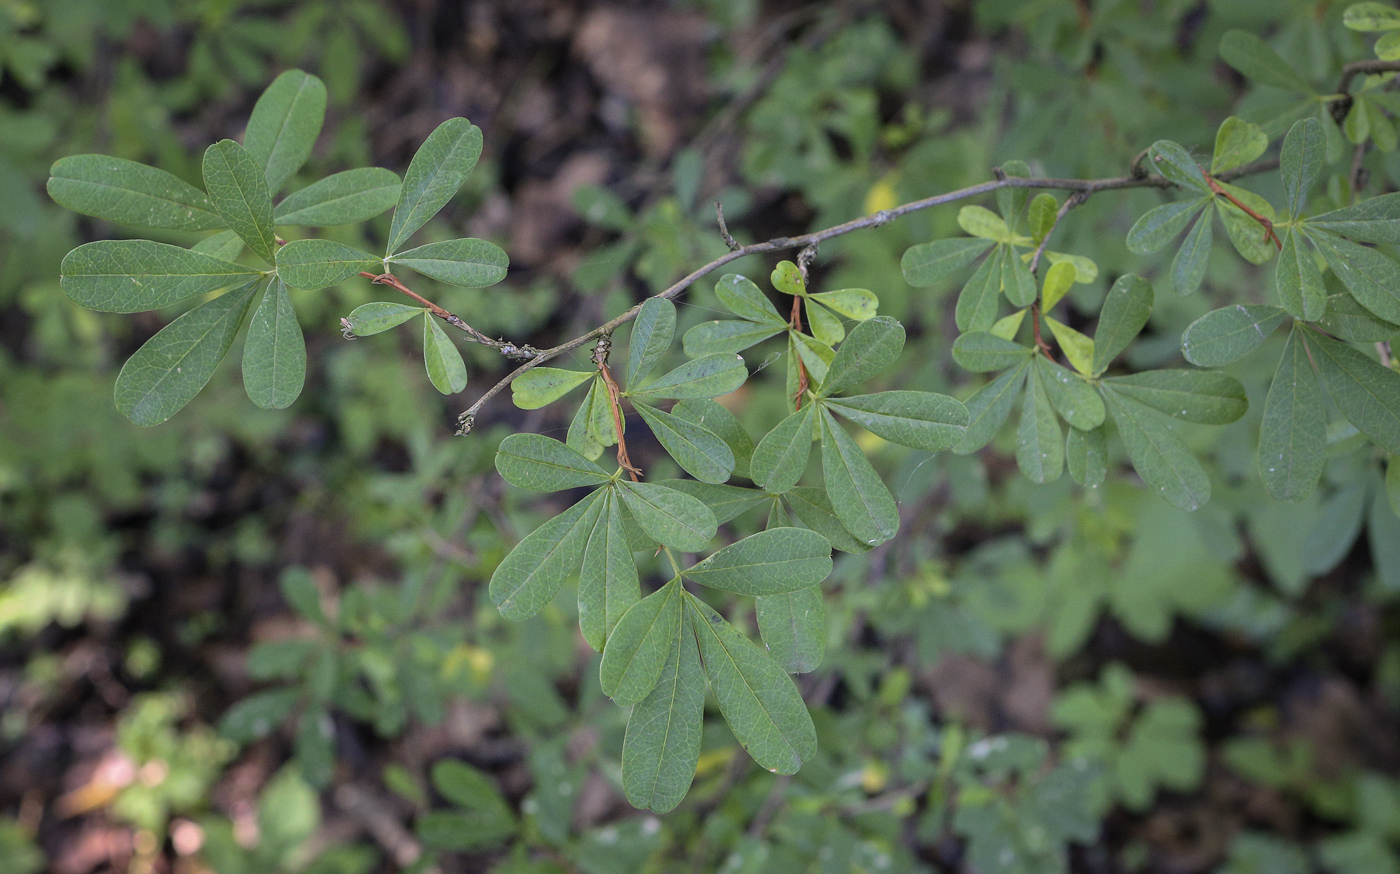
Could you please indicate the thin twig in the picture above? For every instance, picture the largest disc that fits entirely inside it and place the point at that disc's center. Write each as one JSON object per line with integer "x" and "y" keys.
{"x": 510, "y": 350}
{"x": 1360, "y": 68}
{"x": 724, "y": 234}
{"x": 1264, "y": 222}
{"x": 875, "y": 220}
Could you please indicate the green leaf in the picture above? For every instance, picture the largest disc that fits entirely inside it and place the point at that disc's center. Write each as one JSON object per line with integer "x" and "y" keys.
{"x": 1226, "y": 335}
{"x": 860, "y": 498}
{"x": 1298, "y": 280}
{"x": 1124, "y": 314}
{"x": 171, "y": 368}
{"x": 1247, "y": 235}
{"x": 1041, "y": 215}
{"x": 1366, "y": 392}
{"x": 707, "y": 377}
{"x": 767, "y": 563}
{"x": 1375, "y": 220}
{"x": 758, "y": 699}
{"x": 1073, "y": 398}
{"x": 225, "y": 245}
{"x": 726, "y": 336}
{"x": 662, "y": 746}
{"x": 1039, "y": 440}
{"x": 1162, "y": 224}
{"x": 1201, "y": 396}
{"x": 467, "y": 787}
{"x": 340, "y": 199}
{"x": 747, "y": 301}
{"x": 698, "y": 450}
{"x": 238, "y": 191}
{"x": 284, "y": 125}
{"x": 457, "y": 831}
{"x": 637, "y": 650}
{"x": 1017, "y": 281}
{"x": 446, "y": 369}
{"x": 1293, "y": 435}
{"x": 129, "y": 276}
{"x": 1189, "y": 265}
{"x": 716, "y": 418}
{"x": 825, "y": 326}
{"x": 532, "y": 574}
{"x": 1248, "y": 54}
{"x": 542, "y": 386}
{"x": 815, "y": 355}
{"x": 930, "y": 263}
{"x": 977, "y": 302}
{"x": 130, "y": 193}
{"x": 1372, "y": 278}
{"x": 981, "y": 352}
{"x": 381, "y": 315}
{"x": 1159, "y": 455}
{"x": 982, "y": 222}
{"x": 813, "y": 508}
{"x": 652, "y": 332}
{"x": 872, "y": 348}
{"x": 1339, "y": 518}
{"x": 988, "y": 408}
{"x": 542, "y": 464}
{"x": 314, "y": 264}
{"x": 1371, "y": 17}
{"x": 257, "y": 715}
{"x": 274, "y": 353}
{"x": 725, "y": 501}
{"x": 1177, "y": 165}
{"x": 469, "y": 263}
{"x": 1350, "y": 321}
{"x": 669, "y": 517}
{"x": 793, "y": 626}
{"x": 1058, "y": 281}
{"x": 853, "y": 303}
{"x": 787, "y": 278}
{"x": 1086, "y": 456}
{"x": 437, "y": 170}
{"x": 591, "y": 428}
{"x": 1078, "y": 349}
{"x": 1301, "y": 160}
{"x": 1006, "y": 327}
{"x": 1237, "y": 142}
{"x": 780, "y": 458}
{"x": 917, "y": 419}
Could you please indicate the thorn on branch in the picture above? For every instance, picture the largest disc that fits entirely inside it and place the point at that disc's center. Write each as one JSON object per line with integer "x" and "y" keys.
{"x": 729, "y": 240}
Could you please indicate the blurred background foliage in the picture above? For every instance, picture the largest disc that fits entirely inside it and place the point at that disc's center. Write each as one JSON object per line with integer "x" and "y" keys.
{"x": 255, "y": 641}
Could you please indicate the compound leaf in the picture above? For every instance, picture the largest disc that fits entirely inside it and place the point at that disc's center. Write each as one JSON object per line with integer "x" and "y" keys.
{"x": 1367, "y": 392}
{"x": 853, "y": 303}
{"x": 929, "y": 263}
{"x": 1237, "y": 142}
{"x": 976, "y": 309}
{"x": 982, "y": 352}
{"x": 1162, "y": 224}
{"x": 1374, "y": 220}
{"x": 1073, "y": 398}
{"x": 381, "y": 315}
{"x": 1039, "y": 440}
{"x": 780, "y": 458}
{"x": 543, "y": 385}
{"x": 714, "y": 417}
{"x": 1251, "y": 56}
{"x": 1298, "y": 280}
{"x": 989, "y": 406}
{"x": 747, "y": 301}
{"x": 1300, "y": 161}
{"x": 1177, "y": 165}
{"x": 726, "y": 335}
{"x": 1372, "y": 278}
{"x": 699, "y": 378}
{"x": 1189, "y": 265}
{"x": 1086, "y": 456}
